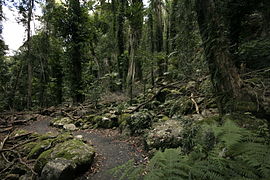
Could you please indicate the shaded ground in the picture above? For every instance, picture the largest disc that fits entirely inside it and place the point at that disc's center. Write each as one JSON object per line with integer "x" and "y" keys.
{"x": 111, "y": 149}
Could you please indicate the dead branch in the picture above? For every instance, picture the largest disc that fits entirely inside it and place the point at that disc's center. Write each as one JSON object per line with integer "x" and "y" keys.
{"x": 6, "y": 129}
{"x": 68, "y": 115}
{"x": 20, "y": 136}
{"x": 25, "y": 142}
{"x": 195, "y": 103}
{"x": 19, "y": 158}
{"x": 2, "y": 146}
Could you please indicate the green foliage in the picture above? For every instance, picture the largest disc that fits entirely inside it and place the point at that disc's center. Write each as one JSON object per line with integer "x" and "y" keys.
{"x": 255, "y": 54}
{"x": 139, "y": 121}
{"x": 237, "y": 154}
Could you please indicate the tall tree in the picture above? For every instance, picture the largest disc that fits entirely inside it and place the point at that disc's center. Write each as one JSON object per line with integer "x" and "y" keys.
{"x": 225, "y": 77}
{"x": 120, "y": 41}
{"x": 30, "y": 6}
{"x": 75, "y": 49}
{"x": 157, "y": 9}
{"x": 135, "y": 17}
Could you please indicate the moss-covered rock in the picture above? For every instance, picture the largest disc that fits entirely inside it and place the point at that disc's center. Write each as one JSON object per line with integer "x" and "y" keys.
{"x": 39, "y": 148}
{"x": 181, "y": 106}
{"x": 122, "y": 120}
{"x": 106, "y": 121}
{"x": 42, "y": 159}
{"x": 75, "y": 150}
{"x": 165, "y": 134}
{"x": 79, "y": 153}
{"x": 139, "y": 121}
{"x": 60, "y": 122}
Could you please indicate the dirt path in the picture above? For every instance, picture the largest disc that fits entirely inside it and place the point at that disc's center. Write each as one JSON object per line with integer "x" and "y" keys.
{"x": 111, "y": 149}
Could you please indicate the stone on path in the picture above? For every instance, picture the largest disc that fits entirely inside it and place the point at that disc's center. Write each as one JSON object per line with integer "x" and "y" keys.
{"x": 58, "y": 169}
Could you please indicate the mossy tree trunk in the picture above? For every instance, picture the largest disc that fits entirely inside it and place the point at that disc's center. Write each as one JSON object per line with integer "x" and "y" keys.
{"x": 225, "y": 76}
{"x": 75, "y": 51}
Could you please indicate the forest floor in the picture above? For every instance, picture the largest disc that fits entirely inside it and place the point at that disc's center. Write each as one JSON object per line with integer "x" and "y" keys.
{"x": 112, "y": 149}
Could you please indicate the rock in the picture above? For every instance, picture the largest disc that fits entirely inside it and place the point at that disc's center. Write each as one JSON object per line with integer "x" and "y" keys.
{"x": 58, "y": 169}
{"x": 60, "y": 122}
{"x": 70, "y": 127}
{"x": 165, "y": 134}
{"x": 80, "y": 137}
{"x": 75, "y": 150}
{"x": 190, "y": 85}
{"x": 210, "y": 112}
{"x": 81, "y": 112}
{"x": 38, "y": 148}
{"x": 79, "y": 153}
{"x": 107, "y": 121}
{"x": 139, "y": 121}
{"x": 182, "y": 106}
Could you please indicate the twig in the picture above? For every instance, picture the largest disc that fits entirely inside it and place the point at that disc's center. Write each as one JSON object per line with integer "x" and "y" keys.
{"x": 25, "y": 142}
{"x": 68, "y": 115}
{"x": 259, "y": 70}
{"x": 3, "y": 142}
{"x": 195, "y": 103}
{"x": 10, "y": 165}
{"x": 2, "y": 146}
{"x": 19, "y": 158}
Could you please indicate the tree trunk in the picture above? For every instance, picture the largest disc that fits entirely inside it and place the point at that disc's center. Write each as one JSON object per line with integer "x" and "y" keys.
{"x": 76, "y": 52}
{"x": 29, "y": 59}
{"x": 224, "y": 74}
{"x": 120, "y": 42}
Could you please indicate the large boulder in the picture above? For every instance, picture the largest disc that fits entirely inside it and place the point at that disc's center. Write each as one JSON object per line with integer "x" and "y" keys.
{"x": 74, "y": 150}
{"x": 165, "y": 134}
{"x": 58, "y": 169}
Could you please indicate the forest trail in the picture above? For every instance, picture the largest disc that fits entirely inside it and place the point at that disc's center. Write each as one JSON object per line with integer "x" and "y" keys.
{"x": 111, "y": 149}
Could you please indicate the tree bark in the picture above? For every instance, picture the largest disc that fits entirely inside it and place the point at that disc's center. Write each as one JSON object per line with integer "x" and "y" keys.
{"x": 29, "y": 59}
{"x": 76, "y": 52}
{"x": 225, "y": 77}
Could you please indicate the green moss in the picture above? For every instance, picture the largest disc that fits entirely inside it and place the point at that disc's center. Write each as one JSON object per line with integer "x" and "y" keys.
{"x": 210, "y": 120}
{"x": 75, "y": 150}
{"x": 165, "y": 118}
{"x": 123, "y": 118}
{"x": 96, "y": 119}
{"x": 18, "y": 132}
{"x": 27, "y": 148}
{"x": 46, "y": 136}
{"x": 62, "y": 138}
{"x": 39, "y": 148}
{"x": 90, "y": 117}
{"x": 59, "y": 122}
{"x": 43, "y": 158}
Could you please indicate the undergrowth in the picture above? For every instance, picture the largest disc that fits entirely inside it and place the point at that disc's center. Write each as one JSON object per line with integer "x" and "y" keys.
{"x": 236, "y": 154}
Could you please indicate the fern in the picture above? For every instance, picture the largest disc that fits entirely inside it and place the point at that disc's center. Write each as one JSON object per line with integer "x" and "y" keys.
{"x": 238, "y": 154}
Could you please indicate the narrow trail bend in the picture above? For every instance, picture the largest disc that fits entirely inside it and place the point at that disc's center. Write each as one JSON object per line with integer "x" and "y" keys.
{"x": 111, "y": 149}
